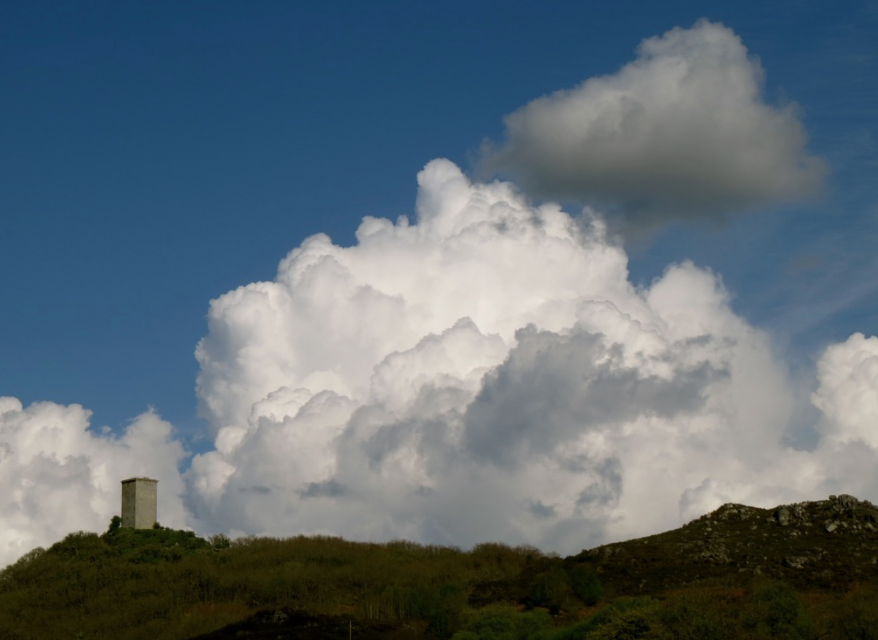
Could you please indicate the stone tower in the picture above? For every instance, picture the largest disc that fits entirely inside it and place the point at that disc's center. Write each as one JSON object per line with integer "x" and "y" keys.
{"x": 139, "y": 503}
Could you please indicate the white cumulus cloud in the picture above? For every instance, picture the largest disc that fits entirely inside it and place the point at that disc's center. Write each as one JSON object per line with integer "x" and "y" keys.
{"x": 683, "y": 131}
{"x": 486, "y": 371}
{"x": 847, "y": 396}
{"x": 848, "y": 392}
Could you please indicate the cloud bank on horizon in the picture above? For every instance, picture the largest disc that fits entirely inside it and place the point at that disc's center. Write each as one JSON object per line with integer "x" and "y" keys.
{"x": 487, "y": 371}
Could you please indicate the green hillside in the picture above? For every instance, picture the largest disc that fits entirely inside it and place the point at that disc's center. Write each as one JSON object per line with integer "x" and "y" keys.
{"x": 801, "y": 571}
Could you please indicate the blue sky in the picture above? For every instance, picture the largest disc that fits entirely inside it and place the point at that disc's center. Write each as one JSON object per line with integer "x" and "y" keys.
{"x": 155, "y": 156}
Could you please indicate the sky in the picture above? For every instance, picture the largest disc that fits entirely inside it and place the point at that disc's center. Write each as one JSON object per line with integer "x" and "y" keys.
{"x": 450, "y": 272}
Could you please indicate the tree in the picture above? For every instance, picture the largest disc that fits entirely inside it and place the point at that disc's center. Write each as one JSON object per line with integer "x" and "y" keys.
{"x": 115, "y": 525}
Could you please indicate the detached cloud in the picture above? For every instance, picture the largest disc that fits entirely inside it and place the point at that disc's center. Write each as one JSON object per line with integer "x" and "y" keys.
{"x": 682, "y": 132}
{"x": 58, "y": 476}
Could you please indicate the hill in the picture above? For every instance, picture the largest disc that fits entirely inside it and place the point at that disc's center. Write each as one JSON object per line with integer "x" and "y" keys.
{"x": 826, "y": 545}
{"x": 804, "y": 570}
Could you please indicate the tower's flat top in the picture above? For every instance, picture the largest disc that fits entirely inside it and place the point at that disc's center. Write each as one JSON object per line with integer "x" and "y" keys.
{"x": 141, "y": 479}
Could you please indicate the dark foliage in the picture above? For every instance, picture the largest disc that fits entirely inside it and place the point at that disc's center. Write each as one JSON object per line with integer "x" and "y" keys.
{"x": 737, "y": 573}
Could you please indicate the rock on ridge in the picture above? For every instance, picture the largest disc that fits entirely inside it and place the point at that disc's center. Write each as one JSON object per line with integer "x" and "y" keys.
{"x": 826, "y": 543}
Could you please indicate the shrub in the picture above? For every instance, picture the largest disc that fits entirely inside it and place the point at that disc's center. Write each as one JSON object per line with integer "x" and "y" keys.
{"x": 494, "y": 622}
{"x": 696, "y": 617}
{"x": 856, "y": 616}
{"x": 586, "y": 585}
{"x": 219, "y": 541}
{"x": 503, "y": 622}
{"x": 632, "y": 625}
{"x": 775, "y": 611}
{"x": 549, "y": 588}
{"x": 444, "y": 614}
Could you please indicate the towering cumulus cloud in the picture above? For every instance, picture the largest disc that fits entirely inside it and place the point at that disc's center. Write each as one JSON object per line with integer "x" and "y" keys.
{"x": 59, "y": 477}
{"x": 681, "y": 132}
{"x": 487, "y": 372}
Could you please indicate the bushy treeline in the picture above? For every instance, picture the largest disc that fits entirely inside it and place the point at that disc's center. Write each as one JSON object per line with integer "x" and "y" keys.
{"x": 162, "y": 584}
{"x": 763, "y": 611}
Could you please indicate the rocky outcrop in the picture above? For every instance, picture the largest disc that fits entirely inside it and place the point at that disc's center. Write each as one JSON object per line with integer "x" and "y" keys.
{"x": 826, "y": 543}
{"x": 838, "y": 512}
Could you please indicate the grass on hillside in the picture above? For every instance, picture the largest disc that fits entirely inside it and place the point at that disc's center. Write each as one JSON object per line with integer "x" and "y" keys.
{"x": 161, "y": 584}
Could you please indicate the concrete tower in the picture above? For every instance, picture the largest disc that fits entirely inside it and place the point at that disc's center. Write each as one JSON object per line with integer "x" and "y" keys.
{"x": 139, "y": 502}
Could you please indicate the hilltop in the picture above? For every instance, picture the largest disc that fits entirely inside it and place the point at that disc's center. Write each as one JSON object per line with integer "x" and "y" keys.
{"x": 828, "y": 545}
{"x": 802, "y": 570}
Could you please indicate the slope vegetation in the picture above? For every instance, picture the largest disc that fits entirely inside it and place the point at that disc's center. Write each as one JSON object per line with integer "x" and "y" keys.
{"x": 805, "y": 570}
